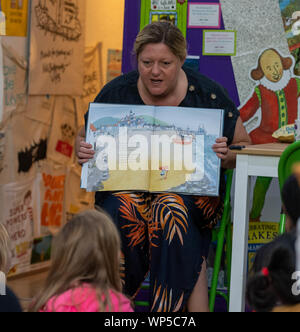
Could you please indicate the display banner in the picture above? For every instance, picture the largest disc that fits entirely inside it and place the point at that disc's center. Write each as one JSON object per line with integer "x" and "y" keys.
{"x": 57, "y": 47}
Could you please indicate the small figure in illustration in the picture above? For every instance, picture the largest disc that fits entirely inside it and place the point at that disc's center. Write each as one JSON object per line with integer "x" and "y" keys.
{"x": 277, "y": 96}
{"x": 164, "y": 173}
{"x": 99, "y": 170}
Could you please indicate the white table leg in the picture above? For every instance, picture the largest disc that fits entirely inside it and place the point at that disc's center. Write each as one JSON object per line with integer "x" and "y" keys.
{"x": 240, "y": 236}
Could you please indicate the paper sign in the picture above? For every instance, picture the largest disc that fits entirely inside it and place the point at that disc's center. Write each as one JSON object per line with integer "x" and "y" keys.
{"x": 219, "y": 42}
{"x": 204, "y": 15}
{"x": 15, "y": 17}
{"x": 163, "y": 4}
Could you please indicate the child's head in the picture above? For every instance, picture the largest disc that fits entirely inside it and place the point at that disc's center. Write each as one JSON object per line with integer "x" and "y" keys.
{"x": 4, "y": 249}
{"x": 270, "y": 283}
{"x": 86, "y": 250}
{"x": 290, "y": 198}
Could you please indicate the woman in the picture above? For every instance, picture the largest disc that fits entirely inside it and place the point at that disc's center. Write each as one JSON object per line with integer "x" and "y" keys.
{"x": 177, "y": 264}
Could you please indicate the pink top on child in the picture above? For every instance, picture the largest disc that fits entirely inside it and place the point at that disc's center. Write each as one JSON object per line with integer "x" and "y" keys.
{"x": 84, "y": 299}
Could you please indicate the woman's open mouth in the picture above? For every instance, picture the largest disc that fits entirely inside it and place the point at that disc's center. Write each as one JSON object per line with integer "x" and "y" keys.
{"x": 156, "y": 82}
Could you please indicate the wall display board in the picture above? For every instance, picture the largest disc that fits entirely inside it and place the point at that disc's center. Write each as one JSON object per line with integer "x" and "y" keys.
{"x": 174, "y": 11}
{"x": 263, "y": 68}
{"x": 57, "y": 47}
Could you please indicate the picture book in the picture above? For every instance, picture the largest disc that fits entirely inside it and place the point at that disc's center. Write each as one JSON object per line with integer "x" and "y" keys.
{"x": 153, "y": 148}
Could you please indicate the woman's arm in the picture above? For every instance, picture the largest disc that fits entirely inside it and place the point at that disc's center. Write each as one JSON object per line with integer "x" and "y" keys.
{"x": 83, "y": 150}
{"x": 222, "y": 150}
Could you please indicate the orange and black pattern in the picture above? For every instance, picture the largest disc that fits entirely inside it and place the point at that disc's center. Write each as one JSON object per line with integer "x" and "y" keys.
{"x": 166, "y": 234}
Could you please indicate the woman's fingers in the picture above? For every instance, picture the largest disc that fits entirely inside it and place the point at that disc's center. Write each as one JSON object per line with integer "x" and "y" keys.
{"x": 221, "y": 148}
{"x": 85, "y": 152}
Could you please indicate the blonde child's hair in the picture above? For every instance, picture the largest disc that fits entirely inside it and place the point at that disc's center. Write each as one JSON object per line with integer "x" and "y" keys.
{"x": 86, "y": 250}
{"x": 4, "y": 248}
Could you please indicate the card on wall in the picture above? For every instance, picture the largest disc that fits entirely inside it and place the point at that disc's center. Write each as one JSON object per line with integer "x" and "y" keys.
{"x": 56, "y": 47}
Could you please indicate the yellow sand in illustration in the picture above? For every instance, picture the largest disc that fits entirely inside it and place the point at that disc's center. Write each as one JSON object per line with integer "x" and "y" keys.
{"x": 173, "y": 179}
{"x": 127, "y": 180}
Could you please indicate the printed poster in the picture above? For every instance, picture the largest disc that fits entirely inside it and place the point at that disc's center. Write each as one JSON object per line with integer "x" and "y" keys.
{"x": 19, "y": 215}
{"x": 16, "y": 13}
{"x": 57, "y": 47}
{"x": 51, "y": 185}
{"x": 174, "y": 11}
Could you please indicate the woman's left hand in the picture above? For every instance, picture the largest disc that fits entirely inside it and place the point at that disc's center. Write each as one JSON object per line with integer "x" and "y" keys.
{"x": 221, "y": 148}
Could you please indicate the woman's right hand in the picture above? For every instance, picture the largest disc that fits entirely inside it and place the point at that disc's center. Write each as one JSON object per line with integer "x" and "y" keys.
{"x": 84, "y": 151}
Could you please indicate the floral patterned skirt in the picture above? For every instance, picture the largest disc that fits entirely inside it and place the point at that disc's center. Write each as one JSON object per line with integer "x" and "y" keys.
{"x": 166, "y": 234}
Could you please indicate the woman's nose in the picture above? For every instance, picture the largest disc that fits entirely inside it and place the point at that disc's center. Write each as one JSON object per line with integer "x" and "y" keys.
{"x": 155, "y": 69}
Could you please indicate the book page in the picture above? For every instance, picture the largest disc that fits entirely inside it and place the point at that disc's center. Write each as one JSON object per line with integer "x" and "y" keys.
{"x": 182, "y": 159}
{"x": 120, "y": 135}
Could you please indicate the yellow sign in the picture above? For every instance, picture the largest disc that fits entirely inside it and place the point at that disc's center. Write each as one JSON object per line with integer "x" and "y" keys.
{"x": 15, "y": 13}
{"x": 260, "y": 233}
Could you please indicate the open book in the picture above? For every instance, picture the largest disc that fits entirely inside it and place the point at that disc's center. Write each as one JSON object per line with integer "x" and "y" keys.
{"x": 153, "y": 148}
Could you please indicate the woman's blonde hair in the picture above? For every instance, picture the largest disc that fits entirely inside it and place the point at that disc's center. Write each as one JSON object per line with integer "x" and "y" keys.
{"x": 161, "y": 32}
{"x": 4, "y": 248}
{"x": 85, "y": 251}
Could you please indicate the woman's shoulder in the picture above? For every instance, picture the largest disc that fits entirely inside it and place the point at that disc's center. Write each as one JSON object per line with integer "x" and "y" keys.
{"x": 202, "y": 82}
{"x": 122, "y": 86}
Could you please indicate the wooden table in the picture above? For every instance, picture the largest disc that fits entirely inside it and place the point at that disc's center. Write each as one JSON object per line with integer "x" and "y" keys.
{"x": 254, "y": 160}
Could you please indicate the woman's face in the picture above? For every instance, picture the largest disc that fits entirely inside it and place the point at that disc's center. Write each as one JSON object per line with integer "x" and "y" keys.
{"x": 159, "y": 69}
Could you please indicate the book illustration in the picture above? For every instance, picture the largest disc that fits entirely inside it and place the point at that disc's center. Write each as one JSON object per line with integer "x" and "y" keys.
{"x": 156, "y": 149}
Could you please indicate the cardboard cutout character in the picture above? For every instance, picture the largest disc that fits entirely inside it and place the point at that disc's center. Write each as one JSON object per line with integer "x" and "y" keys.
{"x": 277, "y": 96}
